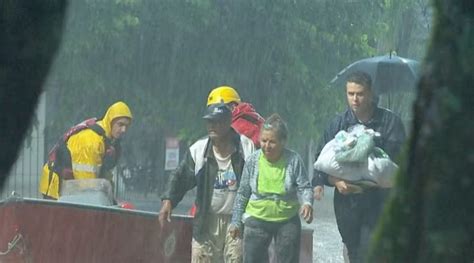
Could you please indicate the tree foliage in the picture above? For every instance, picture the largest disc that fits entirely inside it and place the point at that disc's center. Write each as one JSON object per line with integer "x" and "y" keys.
{"x": 163, "y": 57}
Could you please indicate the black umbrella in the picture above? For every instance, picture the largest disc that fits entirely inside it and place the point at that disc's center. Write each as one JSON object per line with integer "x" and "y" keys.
{"x": 389, "y": 73}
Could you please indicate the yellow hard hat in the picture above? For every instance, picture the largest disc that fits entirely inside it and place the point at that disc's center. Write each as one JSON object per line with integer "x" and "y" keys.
{"x": 223, "y": 94}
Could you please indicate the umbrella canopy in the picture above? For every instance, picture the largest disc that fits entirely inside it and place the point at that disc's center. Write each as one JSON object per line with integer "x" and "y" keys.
{"x": 389, "y": 73}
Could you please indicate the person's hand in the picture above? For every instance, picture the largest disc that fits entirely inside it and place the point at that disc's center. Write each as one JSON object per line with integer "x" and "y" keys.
{"x": 339, "y": 184}
{"x": 306, "y": 212}
{"x": 165, "y": 212}
{"x": 343, "y": 187}
{"x": 318, "y": 192}
{"x": 234, "y": 231}
{"x": 354, "y": 189}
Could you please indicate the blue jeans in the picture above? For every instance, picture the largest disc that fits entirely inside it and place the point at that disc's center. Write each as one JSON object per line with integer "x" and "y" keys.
{"x": 258, "y": 235}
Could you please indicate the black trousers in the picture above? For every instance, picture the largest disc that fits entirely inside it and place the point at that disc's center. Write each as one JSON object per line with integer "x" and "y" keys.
{"x": 356, "y": 216}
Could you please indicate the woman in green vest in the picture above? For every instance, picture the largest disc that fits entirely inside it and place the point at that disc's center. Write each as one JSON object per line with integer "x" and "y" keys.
{"x": 267, "y": 198}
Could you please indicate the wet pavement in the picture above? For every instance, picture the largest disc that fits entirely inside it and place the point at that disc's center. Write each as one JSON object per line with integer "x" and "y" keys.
{"x": 327, "y": 244}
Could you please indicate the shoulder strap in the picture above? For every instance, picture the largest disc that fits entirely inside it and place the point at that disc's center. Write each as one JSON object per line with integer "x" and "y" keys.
{"x": 79, "y": 127}
{"x": 97, "y": 129}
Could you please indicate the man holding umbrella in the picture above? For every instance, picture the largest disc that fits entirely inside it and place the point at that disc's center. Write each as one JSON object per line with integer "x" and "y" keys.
{"x": 357, "y": 213}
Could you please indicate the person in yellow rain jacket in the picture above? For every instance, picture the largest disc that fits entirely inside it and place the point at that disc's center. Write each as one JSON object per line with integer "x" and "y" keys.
{"x": 88, "y": 150}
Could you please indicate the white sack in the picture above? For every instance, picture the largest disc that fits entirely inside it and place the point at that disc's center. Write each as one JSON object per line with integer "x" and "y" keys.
{"x": 378, "y": 170}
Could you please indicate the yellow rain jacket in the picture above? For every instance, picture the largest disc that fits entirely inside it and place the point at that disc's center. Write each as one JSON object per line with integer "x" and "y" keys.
{"x": 87, "y": 149}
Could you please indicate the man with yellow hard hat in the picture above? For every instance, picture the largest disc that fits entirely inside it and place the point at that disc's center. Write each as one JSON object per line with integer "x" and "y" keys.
{"x": 245, "y": 120}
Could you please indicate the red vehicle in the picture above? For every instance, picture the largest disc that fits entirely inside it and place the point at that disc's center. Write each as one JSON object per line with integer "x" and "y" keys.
{"x": 36, "y": 230}
{"x": 33, "y": 230}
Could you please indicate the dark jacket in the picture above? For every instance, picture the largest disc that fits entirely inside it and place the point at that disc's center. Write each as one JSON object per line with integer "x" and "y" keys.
{"x": 353, "y": 210}
{"x": 199, "y": 169}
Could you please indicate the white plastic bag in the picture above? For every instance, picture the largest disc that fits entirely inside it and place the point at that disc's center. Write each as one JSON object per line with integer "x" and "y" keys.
{"x": 378, "y": 169}
{"x": 381, "y": 168}
{"x": 354, "y": 145}
{"x": 350, "y": 171}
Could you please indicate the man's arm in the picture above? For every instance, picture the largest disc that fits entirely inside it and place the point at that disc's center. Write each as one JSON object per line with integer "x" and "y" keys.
{"x": 181, "y": 180}
{"x": 320, "y": 178}
{"x": 395, "y": 136}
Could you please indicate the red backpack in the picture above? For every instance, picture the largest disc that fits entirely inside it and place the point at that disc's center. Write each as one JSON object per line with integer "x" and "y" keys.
{"x": 246, "y": 121}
